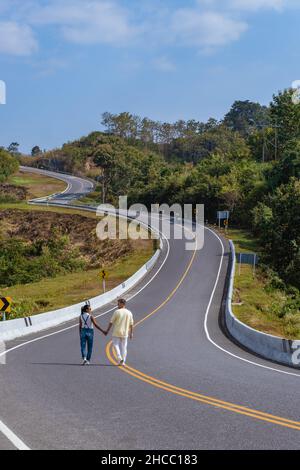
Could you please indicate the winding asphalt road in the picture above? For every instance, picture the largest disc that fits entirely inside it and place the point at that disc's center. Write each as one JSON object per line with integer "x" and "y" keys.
{"x": 186, "y": 386}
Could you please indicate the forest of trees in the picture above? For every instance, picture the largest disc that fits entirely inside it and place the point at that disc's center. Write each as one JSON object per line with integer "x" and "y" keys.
{"x": 248, "y": 163}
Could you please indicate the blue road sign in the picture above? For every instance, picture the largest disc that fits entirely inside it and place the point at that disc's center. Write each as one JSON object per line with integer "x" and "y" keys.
{"x": 221, "y": 215}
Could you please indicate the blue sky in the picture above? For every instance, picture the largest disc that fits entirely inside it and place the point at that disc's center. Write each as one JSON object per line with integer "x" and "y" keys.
{"x": 65, "y": 62}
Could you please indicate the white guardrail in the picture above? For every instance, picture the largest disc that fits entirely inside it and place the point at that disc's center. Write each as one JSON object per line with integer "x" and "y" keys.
{"x": 270, "y": 347}
{"x": 13, "y": 329}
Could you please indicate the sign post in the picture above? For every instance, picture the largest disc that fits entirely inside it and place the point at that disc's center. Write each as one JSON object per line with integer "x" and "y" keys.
{"x": 223, "y": 215}
{"x": 5, "y": 306}
{"x": 226, "y": 225}
{"x": 254, "y": 263}
{"x": 247, "y": 258}
{"x": 103, "y": 276}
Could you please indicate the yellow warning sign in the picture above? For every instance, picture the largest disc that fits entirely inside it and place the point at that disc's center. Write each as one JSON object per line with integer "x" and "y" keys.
{"x": 5, "y": 304}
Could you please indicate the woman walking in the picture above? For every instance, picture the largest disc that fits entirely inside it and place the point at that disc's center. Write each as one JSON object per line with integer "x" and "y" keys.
{"x": 86, "y": 331}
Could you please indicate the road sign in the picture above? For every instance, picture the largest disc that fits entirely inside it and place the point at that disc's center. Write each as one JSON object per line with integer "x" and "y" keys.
{"x": 5, "y": 304}
{"x": 103, "y": 276}
{"x": 221, "y": 215}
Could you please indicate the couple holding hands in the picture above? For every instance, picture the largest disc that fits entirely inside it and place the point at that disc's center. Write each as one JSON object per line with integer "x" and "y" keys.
{"x": 122, "y": 324}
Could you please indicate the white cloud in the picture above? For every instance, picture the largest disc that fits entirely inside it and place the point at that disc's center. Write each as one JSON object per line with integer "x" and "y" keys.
{"x": 206, "y": 26}
{"x": 50, "y": 66}
{"x": 16, "y": 39}
{"x": 88, "y": 22}
{"x": 206, "y": 30}
{"x": 163, "y": 64}
{"x": 244, "y": 6}
{"x": 255, "y": 5}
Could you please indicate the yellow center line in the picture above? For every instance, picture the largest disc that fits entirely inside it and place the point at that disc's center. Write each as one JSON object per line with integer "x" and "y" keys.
{"x": 203, "y": 398}
{"x": 172, "y": 293}
{"x": 188, "y": 393}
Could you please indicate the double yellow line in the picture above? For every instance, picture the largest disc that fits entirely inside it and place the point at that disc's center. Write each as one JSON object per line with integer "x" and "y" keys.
{"x": 193, "y": 395}
{"x": 203, "y": 398}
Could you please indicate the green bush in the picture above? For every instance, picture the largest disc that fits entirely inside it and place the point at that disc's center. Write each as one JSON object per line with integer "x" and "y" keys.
{"x": 23, "y": 263}
{"x": 7, "y": 199}
{"x": 8, "y": 165}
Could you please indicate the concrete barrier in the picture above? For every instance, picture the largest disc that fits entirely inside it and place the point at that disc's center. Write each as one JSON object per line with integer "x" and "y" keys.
{"x": 270, "y": 347}
{"x": 13, "y": 329}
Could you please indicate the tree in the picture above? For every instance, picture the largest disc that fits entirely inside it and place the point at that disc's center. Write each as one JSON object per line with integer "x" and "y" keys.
{"x": 103, "y": 157}
{"x": 264, "y": 144}
{"x": 285, "y": 115}
{"x": 8, "y": 165}
{"x": 13, "y": 148}
{"x": 220, "y": 140}
{"x": 36, "y": 151}
{"x": 289, "y": 166}
{"x": 277, "y": 222}
{"x": 124, "y": 124}
{"x": 246, "y": 116}
{"x": 148, "y": 131}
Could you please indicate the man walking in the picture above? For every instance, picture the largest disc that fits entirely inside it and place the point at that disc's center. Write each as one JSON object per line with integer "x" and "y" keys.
{"x": 122, "y": 324}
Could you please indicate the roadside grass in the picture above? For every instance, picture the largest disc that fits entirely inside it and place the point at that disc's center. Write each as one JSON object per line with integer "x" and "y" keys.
{"x": 37, "y": 185}
{"x": 243, "y": 240}
{"x": 63, "y": 210}
{"x": 93, "y": 198}
{"x": 65, "y": 290}
{"x": 256, "y": 305}
{"x": 256, "y": 302}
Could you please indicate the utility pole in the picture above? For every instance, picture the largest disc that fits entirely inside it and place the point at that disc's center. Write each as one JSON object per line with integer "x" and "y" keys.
{"x": 101, "y": 180}
{"x": 264, "y": 146}
{"x": 103, "y": 190}
{"x": 273, "y": 143}
{"x": 276, "y": 139}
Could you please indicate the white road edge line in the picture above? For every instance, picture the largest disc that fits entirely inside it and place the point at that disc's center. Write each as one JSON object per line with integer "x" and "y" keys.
{"x": 12, "y": 437}
{"x": 206, "y": 320}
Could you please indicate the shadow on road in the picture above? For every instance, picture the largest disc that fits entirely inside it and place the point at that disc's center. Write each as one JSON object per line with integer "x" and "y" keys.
{"x": 75, "y": 365}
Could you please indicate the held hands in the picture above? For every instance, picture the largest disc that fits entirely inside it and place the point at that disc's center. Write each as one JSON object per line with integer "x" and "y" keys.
{"x": 102, "y": 331}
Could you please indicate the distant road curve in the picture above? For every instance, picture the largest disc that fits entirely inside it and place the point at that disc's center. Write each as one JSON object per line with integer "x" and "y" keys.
{"x": 76, "y": 187}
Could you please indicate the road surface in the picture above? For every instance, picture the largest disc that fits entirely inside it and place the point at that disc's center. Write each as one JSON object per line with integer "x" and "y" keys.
{"x": 76, "y": 187}
{"x": 186, "y": 386}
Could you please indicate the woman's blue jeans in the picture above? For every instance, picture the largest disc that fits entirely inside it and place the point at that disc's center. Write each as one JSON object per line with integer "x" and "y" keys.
{"x": 86, "y": 342}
